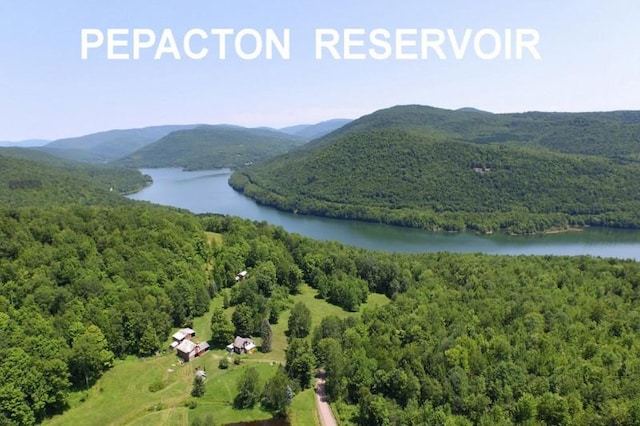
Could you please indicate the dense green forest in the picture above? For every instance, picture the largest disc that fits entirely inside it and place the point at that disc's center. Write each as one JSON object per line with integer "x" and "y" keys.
{"x": 466, "y": 339}
{"x": 424, "y": 179}
{"x": 210, "y": 147}
{"x": 80, "y": 285}
{"x": 31, "y": 178}
{"x": 611, "y": 134}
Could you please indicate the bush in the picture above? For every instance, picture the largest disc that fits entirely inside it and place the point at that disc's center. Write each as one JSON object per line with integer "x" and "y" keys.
{"x": 157, "y": 407}
{"x": 191, "y": 404}
{"x": 157, "y": 385}
{"x": 236, "y": 361}
{"x": 223, "y": 364}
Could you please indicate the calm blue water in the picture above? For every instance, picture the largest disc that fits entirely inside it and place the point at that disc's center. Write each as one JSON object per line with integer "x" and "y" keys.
{"x": 208, "y": 192}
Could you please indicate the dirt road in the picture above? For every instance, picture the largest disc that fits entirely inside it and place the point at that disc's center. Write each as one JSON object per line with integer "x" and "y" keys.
{"x": 324, "y": 410}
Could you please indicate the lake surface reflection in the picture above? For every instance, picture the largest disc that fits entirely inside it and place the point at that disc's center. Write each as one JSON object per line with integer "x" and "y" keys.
{"x": 208, "y": 192}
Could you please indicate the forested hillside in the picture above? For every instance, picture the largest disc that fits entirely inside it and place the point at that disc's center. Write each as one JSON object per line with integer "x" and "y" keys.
{"x": 611, "y": 134}
{"x": 470, "y": 339}
{"x": 467, "y": 339}
{"x": 109, "y": 145}
{"x": 209, "y": 147}
{"x": 82, "y": 285}
{"x": 31, "y": 178}
{"x": 425, "y": 179}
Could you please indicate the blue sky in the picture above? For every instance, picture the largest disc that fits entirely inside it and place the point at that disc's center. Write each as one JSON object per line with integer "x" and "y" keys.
{"x": 590, "y": 61}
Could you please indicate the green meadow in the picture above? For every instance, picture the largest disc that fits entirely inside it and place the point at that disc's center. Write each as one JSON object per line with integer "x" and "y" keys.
{"x": 127, "y": 395}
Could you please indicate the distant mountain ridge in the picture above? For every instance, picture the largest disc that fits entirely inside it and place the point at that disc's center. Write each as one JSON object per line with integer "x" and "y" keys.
{"x": 314, "y": 131}
{"x": 109, "y": 145}
{"x": 27, "y": 143}
{"x": 213, "y": 146}
{"x": 112, "y": 145}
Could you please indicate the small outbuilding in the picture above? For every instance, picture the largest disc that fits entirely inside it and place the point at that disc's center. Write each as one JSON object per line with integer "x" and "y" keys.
{"x": 186, "y": 350}
{"x": 202, "y": 348}
{"x": 183, "y": 333}
{"x": 242, "y": 345}
{"x": 241, "y": 275}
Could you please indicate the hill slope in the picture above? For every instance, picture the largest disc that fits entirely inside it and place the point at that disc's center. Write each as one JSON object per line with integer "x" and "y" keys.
{"x": 208, "y": 147}
{"x": 612, "y": 134}
{"x": 394, "y": 167}
{"x": 109, "y": 145}
{"x": 31, "y": 178}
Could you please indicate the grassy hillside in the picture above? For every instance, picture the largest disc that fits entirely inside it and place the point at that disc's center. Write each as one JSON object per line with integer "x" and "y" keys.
{"x": 31, "y": 178}
{"x": 109, "y": 145}
{"x": 429, "y": 179}
{"x": 208, "y": 147}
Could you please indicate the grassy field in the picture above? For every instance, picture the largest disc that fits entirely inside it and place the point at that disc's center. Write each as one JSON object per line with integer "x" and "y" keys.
{"x": 122, "y": 395}
{"x": 214, "y": 238}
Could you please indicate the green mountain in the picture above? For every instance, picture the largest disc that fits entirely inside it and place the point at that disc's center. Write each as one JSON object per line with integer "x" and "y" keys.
{"x": 432, "y": 168}
{"x": 209, "y": 147}
{"x": 613, "y": 134}
{"x": 32, "y": 178}
{"x": 110, "y": 145}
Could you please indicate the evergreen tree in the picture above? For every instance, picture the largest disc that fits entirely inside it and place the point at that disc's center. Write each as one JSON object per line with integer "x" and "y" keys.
{"x": 267, "y": 335}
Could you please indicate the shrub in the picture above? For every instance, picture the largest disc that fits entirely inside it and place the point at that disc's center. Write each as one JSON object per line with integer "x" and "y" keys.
{"x": 157, "y": 385}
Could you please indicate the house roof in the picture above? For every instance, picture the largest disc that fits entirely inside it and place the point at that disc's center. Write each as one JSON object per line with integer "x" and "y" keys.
{"x": 186, "y": 346}
{"x": 174, "y": 344}
{"x": 203, "y": 346}
{"x": 243, "y": 342}
{"x": 182, "y": 333}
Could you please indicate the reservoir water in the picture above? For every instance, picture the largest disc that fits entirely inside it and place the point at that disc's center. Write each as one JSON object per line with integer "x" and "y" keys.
{"x": 208, "y": 192}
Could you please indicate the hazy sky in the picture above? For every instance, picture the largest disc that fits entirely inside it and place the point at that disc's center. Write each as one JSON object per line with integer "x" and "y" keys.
{"x": 590, "y": 60}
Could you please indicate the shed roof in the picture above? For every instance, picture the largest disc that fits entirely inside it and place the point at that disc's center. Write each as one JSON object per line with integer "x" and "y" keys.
{"x": 186, "y": 346}
{"x": 243, "y": 342}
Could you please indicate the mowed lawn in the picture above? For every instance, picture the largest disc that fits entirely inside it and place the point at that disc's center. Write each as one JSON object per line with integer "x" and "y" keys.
{"x": 122, "y": 395}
